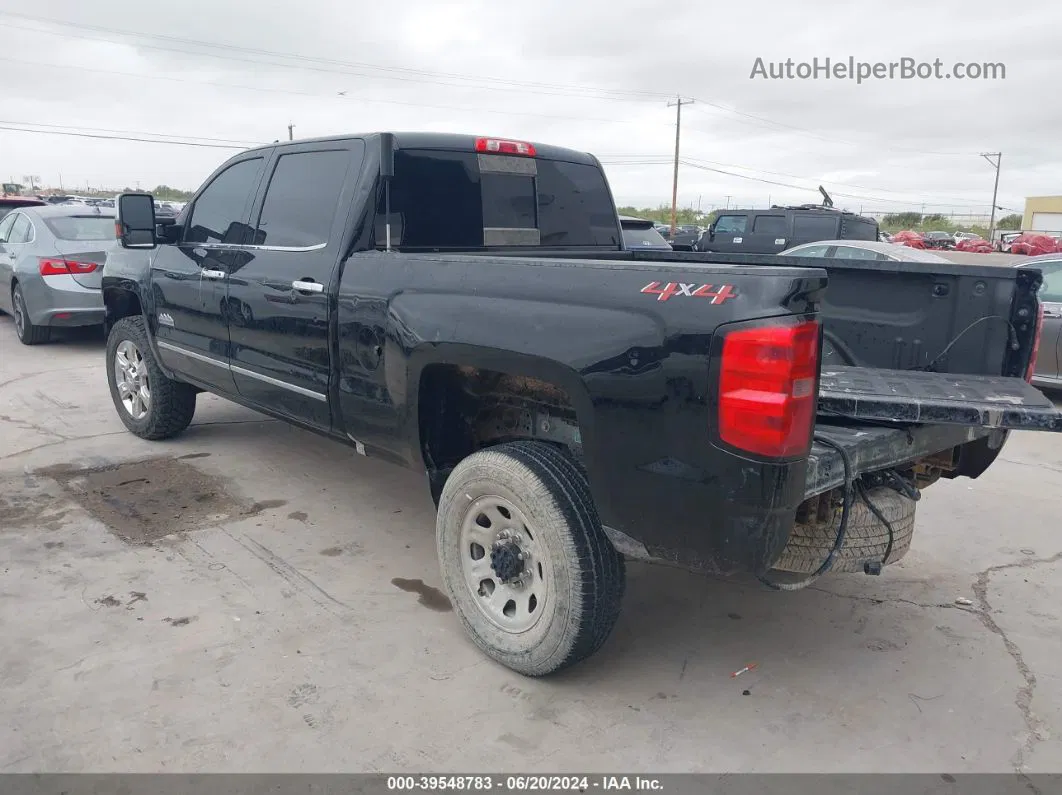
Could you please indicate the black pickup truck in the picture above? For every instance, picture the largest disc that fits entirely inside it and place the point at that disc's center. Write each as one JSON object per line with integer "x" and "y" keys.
{"x": 465, "y": 307}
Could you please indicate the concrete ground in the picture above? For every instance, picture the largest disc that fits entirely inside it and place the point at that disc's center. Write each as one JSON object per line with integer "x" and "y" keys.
{"x": 274, "y": 638}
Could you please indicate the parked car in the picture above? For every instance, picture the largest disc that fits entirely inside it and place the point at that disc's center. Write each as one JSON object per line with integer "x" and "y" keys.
{"x": 958, "y": 237}
{"x": 863, "y": 249}
{"x": 1047, "y": 371}
{"x": 640, "y": 234}
{"x": 51, "y": 264}
{"x": 884, "y": 237}
{"x": 772, "y": 231}
{"x": 684, "y": 239}
{"x": 938, "y": 240}
{"x": 10, "y": 203}
{"x": 570, "y": 402}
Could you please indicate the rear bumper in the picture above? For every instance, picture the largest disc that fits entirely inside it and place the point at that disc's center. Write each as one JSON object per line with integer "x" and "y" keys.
{"x": 748, "y": 534}
{"x": 872, "y": 448}
{"x": 60, "y": 301}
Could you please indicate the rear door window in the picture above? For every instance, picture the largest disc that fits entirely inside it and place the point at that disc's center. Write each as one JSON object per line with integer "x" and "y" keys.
{"x": 810, "y": 251}
{"x": 5, "y": 227}
{"x": 219, "y": 214}
{"x": 731, "y": 224}
{"x": 462, "y": 200}
{"x": 859, "y": 229}
{"x": 852, "y": 252}
{"x": 302, "y": 199}
{"x": 769, "y": 225}
{"x": 810, "y": 227}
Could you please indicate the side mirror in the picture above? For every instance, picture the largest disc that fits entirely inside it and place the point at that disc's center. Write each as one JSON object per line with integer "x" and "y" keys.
{"x": 135, "y": 221}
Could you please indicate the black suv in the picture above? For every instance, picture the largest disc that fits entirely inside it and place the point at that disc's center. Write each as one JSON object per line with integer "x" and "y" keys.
{"x": 774, "y": 230}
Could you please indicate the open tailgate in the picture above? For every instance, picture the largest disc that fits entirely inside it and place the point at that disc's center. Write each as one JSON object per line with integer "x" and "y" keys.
{"x": 912, "y": 396}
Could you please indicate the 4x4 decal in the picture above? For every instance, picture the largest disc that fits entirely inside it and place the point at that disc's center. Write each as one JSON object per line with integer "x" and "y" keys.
{"x": 717, "y": 294}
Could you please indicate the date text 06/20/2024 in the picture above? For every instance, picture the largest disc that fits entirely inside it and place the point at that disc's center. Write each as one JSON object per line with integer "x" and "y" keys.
{"x": 516, "y": 783}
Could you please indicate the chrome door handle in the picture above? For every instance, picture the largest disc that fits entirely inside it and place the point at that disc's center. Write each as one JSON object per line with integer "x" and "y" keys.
{"x": 209, "y": 274}
{"x": 308, "y": 287}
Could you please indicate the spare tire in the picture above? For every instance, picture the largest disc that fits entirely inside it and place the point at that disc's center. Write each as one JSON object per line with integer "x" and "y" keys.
{"x": 866, "y": 538}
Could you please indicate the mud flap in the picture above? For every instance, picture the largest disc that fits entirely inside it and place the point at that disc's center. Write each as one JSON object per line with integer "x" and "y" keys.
{"x": 915, "y": 396}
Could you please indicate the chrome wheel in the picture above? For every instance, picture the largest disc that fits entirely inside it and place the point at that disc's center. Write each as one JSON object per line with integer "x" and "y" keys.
{"x": 504, "y": 564}
{"x": 20, "y": 312}
{"x": 131, "y": 379}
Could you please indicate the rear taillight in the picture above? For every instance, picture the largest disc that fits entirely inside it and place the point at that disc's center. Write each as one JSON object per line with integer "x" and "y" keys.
{"x": 1036, "y": 344}
{"x": 65, "y": 267}
{"x": 498, "y": 146}
{"x": 767, "y": 388}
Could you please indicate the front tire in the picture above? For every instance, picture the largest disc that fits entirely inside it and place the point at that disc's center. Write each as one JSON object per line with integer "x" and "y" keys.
{"x": 27, "y": 332}
{"x": 531, "y": 574}
{"x": 150, "y": 405}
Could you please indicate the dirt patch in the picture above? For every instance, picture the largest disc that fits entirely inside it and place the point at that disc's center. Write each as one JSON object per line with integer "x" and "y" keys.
{"x": 144, "y": 501}
{"x": 332, "y": 551}
{"x": 180, "y": 622}
{"x": 25, "y": 510}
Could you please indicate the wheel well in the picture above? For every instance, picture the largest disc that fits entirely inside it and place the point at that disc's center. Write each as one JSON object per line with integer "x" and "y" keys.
{"x": 464, "y": 409}
{"x": 120, "y": 303}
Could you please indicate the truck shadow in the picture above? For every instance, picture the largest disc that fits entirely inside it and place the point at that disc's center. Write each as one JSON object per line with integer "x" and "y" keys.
{"x": 680, "y": 635}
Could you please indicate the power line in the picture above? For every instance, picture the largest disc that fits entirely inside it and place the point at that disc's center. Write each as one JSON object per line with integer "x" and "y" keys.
{"x": 344, "y": 67}
{"x": 243, "y": 144}
{"x": 763, "y": 120}
{"x": 951, "y": 199}
{"x": 119, "y": 138}
{"x": 424, "y": 75}
{"x": 693, "y": 164}
{"x": 343, "y": 95}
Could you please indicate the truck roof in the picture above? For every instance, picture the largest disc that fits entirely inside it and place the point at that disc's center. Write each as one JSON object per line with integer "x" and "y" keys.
{"x": 451, "y": 142}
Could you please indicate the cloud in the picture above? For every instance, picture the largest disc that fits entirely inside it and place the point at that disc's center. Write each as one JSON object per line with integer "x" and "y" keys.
{"x": 588, "y": 75}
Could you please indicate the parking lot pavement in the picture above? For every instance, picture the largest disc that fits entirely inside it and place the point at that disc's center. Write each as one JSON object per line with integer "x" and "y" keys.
{"x": 299, "y": 627}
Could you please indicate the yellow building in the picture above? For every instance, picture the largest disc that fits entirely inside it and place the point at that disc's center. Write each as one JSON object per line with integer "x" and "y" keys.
{"x": 1043, "y": 214}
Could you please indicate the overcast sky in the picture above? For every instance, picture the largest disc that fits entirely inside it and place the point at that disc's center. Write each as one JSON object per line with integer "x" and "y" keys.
{"x": 588, "y": 74}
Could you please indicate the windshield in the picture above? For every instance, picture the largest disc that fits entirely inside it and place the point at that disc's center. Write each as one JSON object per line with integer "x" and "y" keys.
{"x": 461, "y": 200}
{"x": 82, "y": 227}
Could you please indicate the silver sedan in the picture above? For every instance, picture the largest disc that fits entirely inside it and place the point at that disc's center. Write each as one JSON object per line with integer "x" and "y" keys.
{"x": 51, "y": 265}
{"x": 862, "y": 249}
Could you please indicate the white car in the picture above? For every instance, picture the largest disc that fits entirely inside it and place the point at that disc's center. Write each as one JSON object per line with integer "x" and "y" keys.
{"x": 862, "y": 249}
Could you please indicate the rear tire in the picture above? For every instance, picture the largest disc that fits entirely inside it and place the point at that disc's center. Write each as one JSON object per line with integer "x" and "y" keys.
{"x": 150, "y": 405}
{"x": 28, "y": 333}
{"x": 531, "y": 574}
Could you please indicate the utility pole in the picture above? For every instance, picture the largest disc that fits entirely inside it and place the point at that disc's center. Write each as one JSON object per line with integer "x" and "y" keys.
{"x": 677, "y": 105}
{"x": 728, "y": 198}
{"x": 291, "y": 132}
{"x": 60, "y": 181}
{"x": 995, "y": 190}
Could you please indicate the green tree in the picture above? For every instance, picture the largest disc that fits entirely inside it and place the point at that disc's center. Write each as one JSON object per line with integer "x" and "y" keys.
{"x": 901, "y": 220}
{"x": 166, "y": 193}
{"x": 1012, "y": 221}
